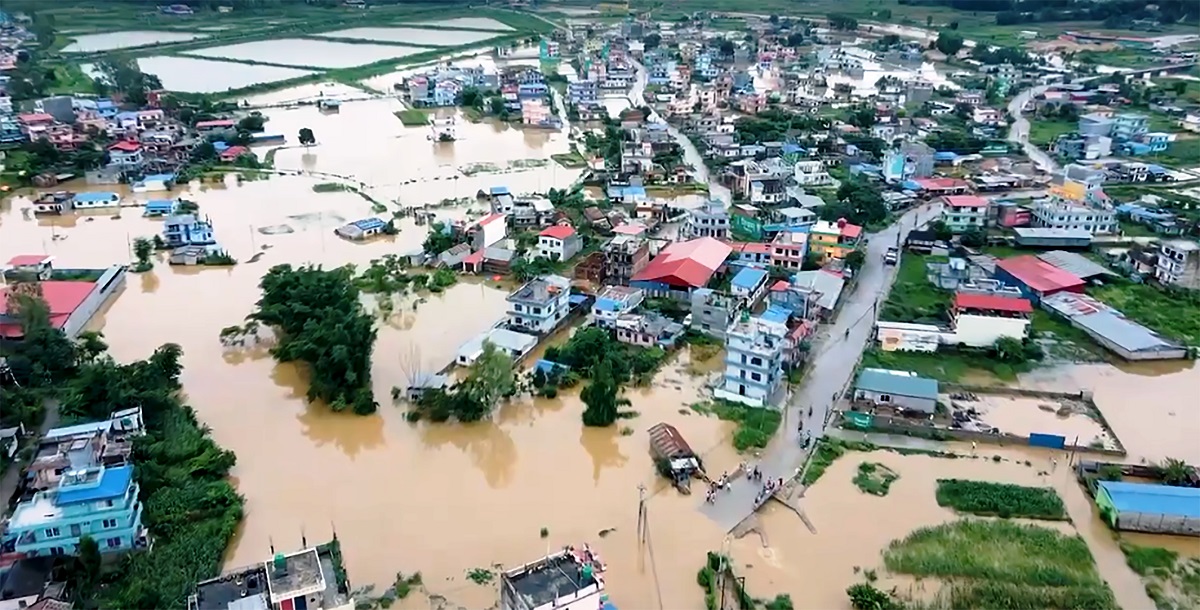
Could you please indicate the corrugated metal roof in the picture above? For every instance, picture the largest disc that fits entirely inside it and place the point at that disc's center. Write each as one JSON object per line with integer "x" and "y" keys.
{"x": 1153, "y": 499}
{"x": 113, "y": 483}
{"x": 1038, "y": 274}
{"x": 1105, "y": 322}
{"x": 1075, "y": 264}
{"x": 749, "y": 278}
{"x": 898, "y": 383}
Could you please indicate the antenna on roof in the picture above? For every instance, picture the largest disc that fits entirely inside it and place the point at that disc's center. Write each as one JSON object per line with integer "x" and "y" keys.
{"x": 303, "y": 538}
{"x": 333, "y": 529}
{"x": 271, "y": 542}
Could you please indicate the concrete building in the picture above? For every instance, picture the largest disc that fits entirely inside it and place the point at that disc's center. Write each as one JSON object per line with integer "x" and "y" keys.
{"x": 516, "y": 344}
{"x": 559, "y": 243}
{"x": 708, "y": 220}
{"x": 1079, "y": 146}
{"x": 614, "y": 302}
{"x": 834, "y": 239}
{"x": 648, "y": 330}
{"x": 72, "y": 303}
{"x": 788, "y": 249}
{"x": 897, "y": 389}
{"x": 978, "y": 320}
{"x": 1070, "y": 215}
{"x": 540, "y": 305}
{"x": 749, "y": 284}
{"x": 713, "y": 312}
{"x": 963, "y": 212}
{"x": 1178, "y": 263}
{"x": 97, "y": 501}
{"x": 305, "y": 580}
{"x": 624, "y": 257}
{"x": 811, "y": 173}
{"x": 187, "y": 230}
{"x": 571, "y": 579}
{"x": 753, "y": 363}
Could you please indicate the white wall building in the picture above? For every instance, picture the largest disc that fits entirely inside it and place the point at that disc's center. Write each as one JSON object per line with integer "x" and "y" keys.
{"x": 540, "y": 305}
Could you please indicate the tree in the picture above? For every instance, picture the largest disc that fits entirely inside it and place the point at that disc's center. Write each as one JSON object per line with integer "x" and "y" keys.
{"x": 204, "y": 151}
{"x": 652, "y": 41}
{"x": 86, "y": 568}
{"x": 941, "y": 230}
{"x": 601, "y": 398}
{"x": 855, "y": 259}
{"x": 439, "y": 240}
{"x": 123, "y": 74}
{"x": 306, "y": 136}
{"x": 90, "y": 345}
{"x": 838, "y": 21}
{"x": 973, "y": 237}
{"x": 143, "y": 248}
{"x": 949, "y": 43}
{"x": 1179, "y": 87}
{"x": 1175, "y": 472}
{"x": 45, "y": 356}
{"x": 252, "y": 123}
{"x": 472, "y": 97}
{"x": 862, "y": 116}
{"x": 726, "y": 48}
{"x": 1008, "y": 349}
{"x": 491, "y": 377}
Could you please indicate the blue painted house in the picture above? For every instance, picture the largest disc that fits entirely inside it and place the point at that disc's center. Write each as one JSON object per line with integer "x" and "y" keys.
{"x": 99, "y": 501}
{"x": 159, "y": 207}
{"x": 187, "y": 230}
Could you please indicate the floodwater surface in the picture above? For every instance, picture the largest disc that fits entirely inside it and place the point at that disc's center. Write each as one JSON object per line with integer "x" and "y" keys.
{"x": 474, "y": 23}
{"x": 307, "y": 53}
{"x": 436, "y": 38}
{"x": 87, "y": 43}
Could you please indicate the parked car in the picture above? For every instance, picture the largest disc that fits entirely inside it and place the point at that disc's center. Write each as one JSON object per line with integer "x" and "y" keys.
{"x": 891, "y": 257}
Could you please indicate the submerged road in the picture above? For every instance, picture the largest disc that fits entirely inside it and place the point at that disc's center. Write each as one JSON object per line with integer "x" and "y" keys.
{"x": 833, "y": 363}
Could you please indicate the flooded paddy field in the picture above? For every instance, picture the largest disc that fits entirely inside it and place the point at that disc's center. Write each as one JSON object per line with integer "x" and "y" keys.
{"x": 1150, "y": 406}
{"x": 301, "y": 93}
{"x": 88, "y": 43}
{"x": 192, "y": 75}
{"x": 473, "y": 23}
{"x": 367, "y": 142}
{"x": 436, "y": 38}
{"x": 307, "y": 53}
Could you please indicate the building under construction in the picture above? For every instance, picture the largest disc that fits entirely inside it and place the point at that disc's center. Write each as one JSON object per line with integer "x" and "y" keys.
{"x": 571, "y": 579}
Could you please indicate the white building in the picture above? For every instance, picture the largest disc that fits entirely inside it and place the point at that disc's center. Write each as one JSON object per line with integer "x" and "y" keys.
{"x": 753, "y": 363}
{"x": 559, "y": 243}
{"x": 976, "y": 320}
{"x": 540, "y": 305}
{"x": 1179, "y": 263}
{"x": 708, "y": 220}
{"x": 614, "y": 302}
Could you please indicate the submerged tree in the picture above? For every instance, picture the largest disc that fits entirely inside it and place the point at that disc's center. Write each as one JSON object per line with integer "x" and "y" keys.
{"x": 600, "y": 396}
{"x": 142, "y": 249}
{"x": 1175, "y": 472}
{"x": 306, "y": 136}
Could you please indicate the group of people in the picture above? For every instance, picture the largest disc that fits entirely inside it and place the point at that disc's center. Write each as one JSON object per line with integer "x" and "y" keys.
{"x": 715, "y": 486}
{"x": 769, "y": 487}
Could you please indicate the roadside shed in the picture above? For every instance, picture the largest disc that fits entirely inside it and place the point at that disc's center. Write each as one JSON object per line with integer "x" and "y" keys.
{"x": 1155, "y": 509}
{"x": 1076, "y": 264}
{"x": 897, "y": 389}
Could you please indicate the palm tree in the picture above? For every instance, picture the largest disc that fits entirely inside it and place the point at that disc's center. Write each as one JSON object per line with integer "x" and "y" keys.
{"x": 1176, "y": 472}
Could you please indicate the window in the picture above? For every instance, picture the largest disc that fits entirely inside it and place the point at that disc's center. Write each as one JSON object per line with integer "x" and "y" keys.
{"x": 57, "y": 551}
{"x": 885, "y": 398}
{"x": 756, "y": 376}
{"x": 113, "y": 543}
{"x": 516, "y": 307}
{"x": 53, "y": 532}
{"x": 756, "y": 361}
{"x": 109, "y": 523}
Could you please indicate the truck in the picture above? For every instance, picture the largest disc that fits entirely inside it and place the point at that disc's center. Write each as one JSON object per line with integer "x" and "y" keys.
{"x": 891, "y": 257}
{"x": 673, "y": 457}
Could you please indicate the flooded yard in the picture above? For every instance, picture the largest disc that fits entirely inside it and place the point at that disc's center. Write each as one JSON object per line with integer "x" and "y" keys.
{"x": 88, "y": 43}
{"x": 307, "y": 53}
{"x": 1025, "y": 415}
{"x": 193, "y": 75}
{"x": 302, "y": 93}
{"x": 474, "y": 23}
{"x": 437, "y": 38}
{"x": 1150, "y": 406}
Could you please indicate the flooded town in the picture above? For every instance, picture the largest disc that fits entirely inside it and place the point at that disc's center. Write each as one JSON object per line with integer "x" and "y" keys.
{"x": 354, "y": 304}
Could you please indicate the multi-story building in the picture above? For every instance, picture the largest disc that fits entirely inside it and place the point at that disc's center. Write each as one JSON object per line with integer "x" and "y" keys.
{"x": 96, "y": 501}
{"x": 559, "y": 243}
{"x": 834, "y": 239}
{"x": 789, "y": 248}
{"x": 187, "y": 230}
{"x": 713, "y": 312}
{"x": 1076, "y": 201}
{"x": 571, "y": 579}
{"x": 1129, "y": 127}
{"x": 1077, "y": 146}
{"x": 540, "y": 305}
{"x": 583, "y": 92}
{"x": 753, "y": 363}
{"x": 624, "y": 256}
{"x": 708, "y": 220}
{"x": 614, "y": 302}
{"x": 811, "y": 173}
{"x": 1179, "y": 263}
{"x": 305, "y": 580}
{"x": 964, "y": 212}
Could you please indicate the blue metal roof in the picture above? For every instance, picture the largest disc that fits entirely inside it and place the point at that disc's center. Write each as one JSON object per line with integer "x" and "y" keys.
{"x": 945, "y": 156}
{"x": 607, "y": 304}
{"x": 367, "y": 224}
{"x": 897, "y": 383}
{"x": 498, "y": 190}
{"x": 113, "y": 484}
{"x": 549, "y": 366}
{"x": 1153, "y": 499}
{"x": 160, "y": 204}
{"x": 749, "y": 278}
{"x": 776, "y": 314}
{"x": 95, "y": 196}
{"x": 163, "y": 177}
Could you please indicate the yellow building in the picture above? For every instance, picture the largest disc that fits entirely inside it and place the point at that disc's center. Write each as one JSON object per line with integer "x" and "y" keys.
{"x": 833, "y": 239}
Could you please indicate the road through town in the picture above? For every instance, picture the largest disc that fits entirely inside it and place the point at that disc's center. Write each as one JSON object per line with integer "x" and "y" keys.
{"x": 832, "y": 366}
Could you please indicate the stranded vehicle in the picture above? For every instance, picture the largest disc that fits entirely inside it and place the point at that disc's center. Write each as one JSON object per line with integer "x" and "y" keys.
{"x": 891, "y": 256}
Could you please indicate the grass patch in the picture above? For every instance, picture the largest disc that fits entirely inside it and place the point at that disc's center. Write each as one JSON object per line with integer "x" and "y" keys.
{"x": 945, "y": 364}
{"x": 412, "y": 117}
{"x": 1042, "y": 132}
{"x": 1136, "y": 229}
{"x": 571, "y": 160}
{"x": 1173, "y": 312}
{"x": 1000, "y": 499}
{"x": 874, "y": 478}
{"x": 755, "y": 426}
{"x": 826, "y": 452}
{"x": 913, "y": 298}
{"x": 1181, "y": 153}
{"x": 1171, "y": 581}
{"x": 1001, "y": 564}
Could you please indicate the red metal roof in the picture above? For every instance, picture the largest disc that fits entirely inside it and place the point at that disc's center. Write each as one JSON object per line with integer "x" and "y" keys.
{"x": 752, "y": 247}
{"x": 780, "y": 285}
{"x": 934, "y": 184}
{"x": 557, "y": 232}
{"x": 25, "y": 260}
{"x": 851, "y": 231}
{"x": 126, "y": 145}
{"x": 62, "y": 297}
{"x": 966, "y": 201}
{"x": 490, "y": 218}
{"x": 233, "y": 152}
{"x": 630, "y": 228}
{"x": 1038, "y": 274}
{"x": 993, "y": 302}
{"x": 686, "y": 264}
{"x": 35, "y": 117}
{"x": 216, "y": 123}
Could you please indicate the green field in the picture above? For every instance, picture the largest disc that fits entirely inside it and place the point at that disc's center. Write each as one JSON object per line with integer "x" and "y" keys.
{"x": 1042, "y": 132}
{"x": 1000, "y": 499}
{"x": 1173, "y": 313}
{"x": 413, "y": 117}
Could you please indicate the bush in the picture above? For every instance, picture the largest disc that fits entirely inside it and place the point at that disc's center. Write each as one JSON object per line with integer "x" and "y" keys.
{"x": 864, "y": 596}
{"x": 1000, "y": 499}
